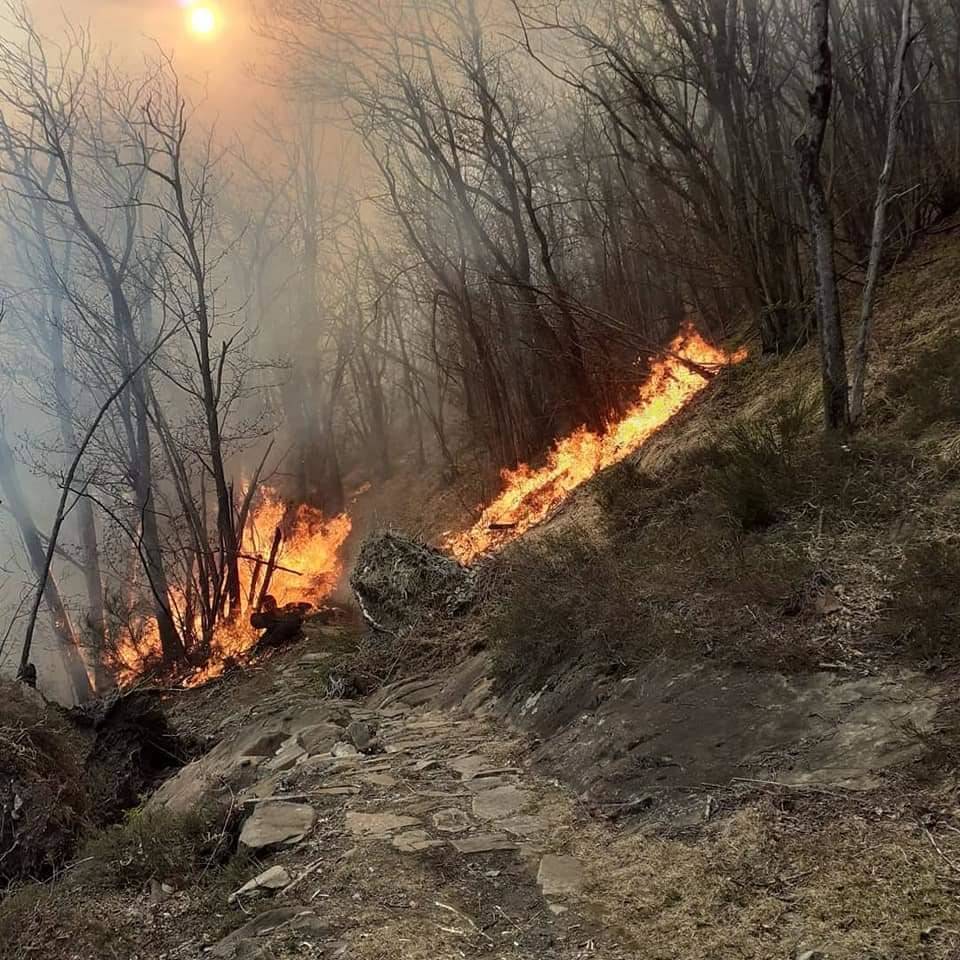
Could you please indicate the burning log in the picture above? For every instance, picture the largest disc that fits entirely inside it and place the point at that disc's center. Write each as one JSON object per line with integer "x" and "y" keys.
{"x": 279, "y": 624}
{"x": 271, "y": 566}
{"x": 254, "y": 580}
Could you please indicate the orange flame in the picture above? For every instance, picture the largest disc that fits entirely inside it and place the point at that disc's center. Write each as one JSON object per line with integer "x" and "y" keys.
{"x": 307, "y": 571}
{"x": 529, "y": 494}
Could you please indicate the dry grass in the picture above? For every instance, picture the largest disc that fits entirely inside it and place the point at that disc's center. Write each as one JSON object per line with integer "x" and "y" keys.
{"x": 760, "y": 884}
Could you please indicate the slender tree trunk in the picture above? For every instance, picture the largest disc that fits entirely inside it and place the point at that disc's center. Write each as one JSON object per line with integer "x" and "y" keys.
{"x": 894, "y": 106}
{"x": 60, "y": 617}
{"x": 170, "y": 642}
{"x": 809, "y": 145}
{"x": 86, "y": 522}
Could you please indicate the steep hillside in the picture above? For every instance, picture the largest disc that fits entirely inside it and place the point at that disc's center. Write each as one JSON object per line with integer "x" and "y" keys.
{"x": 740, "y": 533}
{"x": 706, "y": 710}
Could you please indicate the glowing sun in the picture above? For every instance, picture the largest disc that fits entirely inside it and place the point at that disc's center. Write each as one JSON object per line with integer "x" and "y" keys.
{"x": 202, "y": 20}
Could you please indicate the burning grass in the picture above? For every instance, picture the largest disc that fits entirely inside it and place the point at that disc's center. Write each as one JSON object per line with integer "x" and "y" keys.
{"x": 530, "y": 493}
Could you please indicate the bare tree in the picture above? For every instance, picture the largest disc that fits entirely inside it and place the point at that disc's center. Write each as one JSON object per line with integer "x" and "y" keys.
{"x": 67, "y": 643}
{"x": 809, "y": 145}
{"x": 895, "y": 102}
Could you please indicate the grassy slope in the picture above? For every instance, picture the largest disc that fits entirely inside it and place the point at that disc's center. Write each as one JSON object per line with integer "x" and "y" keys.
{"x": 739, "y": 532}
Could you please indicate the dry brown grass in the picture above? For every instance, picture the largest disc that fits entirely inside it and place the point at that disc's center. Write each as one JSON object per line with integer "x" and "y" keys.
{"x": 761, "y": 884}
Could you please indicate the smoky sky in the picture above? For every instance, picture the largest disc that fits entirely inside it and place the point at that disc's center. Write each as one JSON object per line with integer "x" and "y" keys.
{"x": 221, "y": 70}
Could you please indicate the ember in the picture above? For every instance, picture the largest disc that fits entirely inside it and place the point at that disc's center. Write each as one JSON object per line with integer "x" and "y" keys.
{"x": 529, "y": 494}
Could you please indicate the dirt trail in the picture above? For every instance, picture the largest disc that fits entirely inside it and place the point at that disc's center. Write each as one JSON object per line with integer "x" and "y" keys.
{"x": 433, "y": 844}
{"x": 445, "y": 836}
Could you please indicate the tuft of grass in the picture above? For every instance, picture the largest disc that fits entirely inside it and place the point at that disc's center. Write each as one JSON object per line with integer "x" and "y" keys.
{"x": 753, "y": 471}
{"x": 923, "y": 618}
{"x": 156, "y": 844}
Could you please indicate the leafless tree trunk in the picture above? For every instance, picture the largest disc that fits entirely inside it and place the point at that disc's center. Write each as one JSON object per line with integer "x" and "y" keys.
{"x": 63, "y": 628}
{"x": 67, "y": 490}
{"x": 894, "y": 109}
{"x": 809, "y": 145}
{"x": 167, "y": 118}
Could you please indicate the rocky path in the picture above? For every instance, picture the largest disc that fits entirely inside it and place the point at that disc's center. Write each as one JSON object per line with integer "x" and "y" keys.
{"x": 391, "y": 829}
{"x": 414, "y": 826}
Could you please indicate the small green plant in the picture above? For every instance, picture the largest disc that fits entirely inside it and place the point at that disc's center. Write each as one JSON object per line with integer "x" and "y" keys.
{"x": 754, "y": 470}
{"x": 157, "y": 844}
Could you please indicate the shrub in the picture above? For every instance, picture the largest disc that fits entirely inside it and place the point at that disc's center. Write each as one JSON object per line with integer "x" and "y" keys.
{"x": 754, "y": 470}
{"x": 924, "y": 615}
{"x": 928, "y": 389}
{"x": 565, "y": 598}
{"x": 157, "y": 844}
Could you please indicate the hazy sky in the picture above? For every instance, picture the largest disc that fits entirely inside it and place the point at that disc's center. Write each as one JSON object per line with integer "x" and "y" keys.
{"x": 220, "y": 62}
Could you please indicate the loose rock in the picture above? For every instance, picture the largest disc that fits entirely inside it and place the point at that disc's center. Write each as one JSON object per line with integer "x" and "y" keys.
{"x": 501, "y": 802}
{"x": 484, "y": 843}
{"x": 451, "y": 820}
{"x": 414, "y": 841}
{"x": 277, "y": 822}
{"x": 377, "y": 826}
{"x": 276, "y": 878}
{"x": 560, "y": 876}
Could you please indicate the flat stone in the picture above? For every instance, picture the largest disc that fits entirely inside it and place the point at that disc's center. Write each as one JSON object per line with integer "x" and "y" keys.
{"x": 276, "y": 822}
{"x": 451, "y": 820}
{"x": 379, "y": 779}
{"x": 344, "y": 790}
{"x": 524, "y": 825}
{"x": 298, "y": 721}
{"x": 320, "y": 738}
{"x": 377, "y": 826}
{"x": 411, "y": 692}
{"x": 344, "y": 749}
{"x": 489, "y": 783}
{"x": 484, "y": 843}
{"x": 415, "y": 841}
{"x": 501, "y": 802}
{"x": 276, "y": 878}
{"x": 265, "y": 745}
{"x": 287, "y": 756}
{"x": 560, "y": 876}
{"x": 405, "y": 744}
{"x": 397, "y": 710}
{"x": 472, "y": 766}
{"x": 243, "y": 942}
{"x": 231, "y": 766}
{"x": 419, "y": 697}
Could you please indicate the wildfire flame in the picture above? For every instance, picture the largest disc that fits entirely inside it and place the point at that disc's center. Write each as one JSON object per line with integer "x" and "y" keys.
{"x": 529, "y": 494}
{"x": 308, "y": 568}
